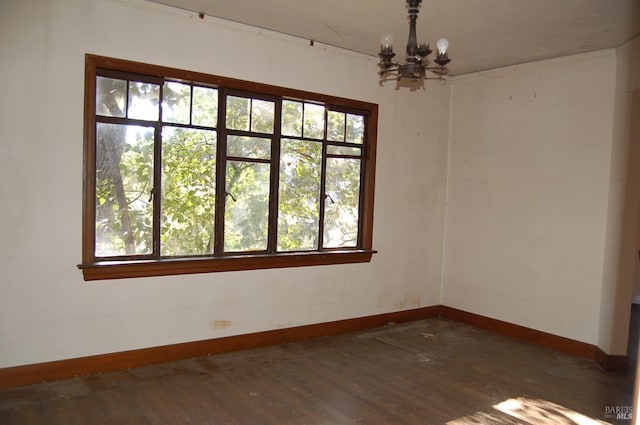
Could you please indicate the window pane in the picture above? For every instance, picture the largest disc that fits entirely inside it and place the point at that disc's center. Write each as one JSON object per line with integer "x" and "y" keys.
{"x": 247, "y": 206}
{"x": 355, "y": 128}
{"x": 205, "y": 106}
{"x": 313, "y": 121}
{"x": 341, "y": 204}
{"x": 238, "y": 113}
{"x": 176, "y": 102}
{"x": 124, "y": 179}
{"x": 111, "y": 96}
{"x": 249, "y": 147}
{"x": 188, "y": 191}
{"x": 291, "y": 118}
{"x": 343, "y": 150}
{"x": 262, "y": 113}
{"x": 299, "y": 195}
{"x": 144, "y": 101}
{"x": 335, "y": 126}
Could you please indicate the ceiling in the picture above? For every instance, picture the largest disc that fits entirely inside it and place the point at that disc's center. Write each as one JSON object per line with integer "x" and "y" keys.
{"x": 483, "y": 34}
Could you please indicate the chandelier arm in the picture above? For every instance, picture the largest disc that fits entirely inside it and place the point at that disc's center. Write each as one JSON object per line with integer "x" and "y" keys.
{"x": 436, "y": 68}
{"x": 389, "y": 68}
{"x": 396, "y": 73}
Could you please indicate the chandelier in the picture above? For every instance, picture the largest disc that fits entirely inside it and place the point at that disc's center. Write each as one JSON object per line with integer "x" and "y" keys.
{"x": 416, "y": 65}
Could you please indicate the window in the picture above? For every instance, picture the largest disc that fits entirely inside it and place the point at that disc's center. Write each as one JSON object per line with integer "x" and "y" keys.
{"x": 191, "y": 173}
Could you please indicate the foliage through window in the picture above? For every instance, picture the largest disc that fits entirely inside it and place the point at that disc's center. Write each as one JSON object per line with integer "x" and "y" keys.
{"x": 189, "y": 173}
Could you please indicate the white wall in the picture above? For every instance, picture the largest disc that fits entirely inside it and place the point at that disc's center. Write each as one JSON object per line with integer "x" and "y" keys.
{"x": 621, "y": 247}
{"x": 48, "y": 312}
{"x": 530, "y": 151}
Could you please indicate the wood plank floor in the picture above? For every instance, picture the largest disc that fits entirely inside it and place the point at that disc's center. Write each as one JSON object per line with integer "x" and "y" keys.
{"x": 428, "y": 372}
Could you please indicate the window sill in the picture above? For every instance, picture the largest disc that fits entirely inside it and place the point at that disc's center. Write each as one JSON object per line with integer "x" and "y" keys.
{"x": 131, "y": 269}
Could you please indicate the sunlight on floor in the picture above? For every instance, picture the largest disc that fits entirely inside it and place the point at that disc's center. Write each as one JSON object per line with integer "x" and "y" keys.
{"x": 525, "y": 411}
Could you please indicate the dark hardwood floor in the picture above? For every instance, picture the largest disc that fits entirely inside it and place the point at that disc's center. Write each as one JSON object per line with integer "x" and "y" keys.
{"x": 428, "y": 372}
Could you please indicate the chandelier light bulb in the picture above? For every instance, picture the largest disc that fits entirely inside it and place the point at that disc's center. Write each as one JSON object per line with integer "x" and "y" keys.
{"x": 443, "y": 45}
{"x": 387, "y": 40}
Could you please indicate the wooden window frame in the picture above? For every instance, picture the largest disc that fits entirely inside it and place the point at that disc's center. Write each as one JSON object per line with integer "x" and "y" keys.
{"x": 96, "y": 269}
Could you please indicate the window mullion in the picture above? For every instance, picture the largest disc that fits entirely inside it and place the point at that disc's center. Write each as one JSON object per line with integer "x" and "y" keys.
{"x": 363, "y": 175}
{"x": 274, "y": 191}
{"x": 221, "y": 173}
{"x": 156, "y": 192}
{"x": 191, "y": 105}
{"x": 126, "y": 101}
{"x": 323, "y": 177}
{"x": 323, "y": 196}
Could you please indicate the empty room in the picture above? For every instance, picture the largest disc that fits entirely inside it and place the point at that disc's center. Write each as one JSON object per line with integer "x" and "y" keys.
{"x": 319, "y": 212}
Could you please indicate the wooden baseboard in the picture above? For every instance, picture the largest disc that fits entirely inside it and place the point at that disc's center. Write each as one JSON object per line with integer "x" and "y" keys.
{"x": 64, "y": 369}
{"x": 612, "y": 363}
{"x": 566, "y": 345}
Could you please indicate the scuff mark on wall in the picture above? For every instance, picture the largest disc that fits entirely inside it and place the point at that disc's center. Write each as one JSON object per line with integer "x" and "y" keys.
{"x": 220, "y": 324}
{"x": 409, "y": 301}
